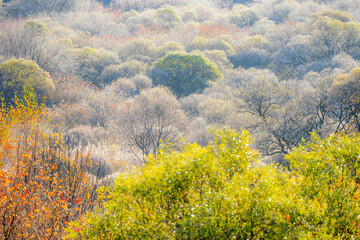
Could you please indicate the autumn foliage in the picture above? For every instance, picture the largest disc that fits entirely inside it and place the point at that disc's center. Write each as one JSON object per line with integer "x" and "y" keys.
{"x": 41, "y": 188}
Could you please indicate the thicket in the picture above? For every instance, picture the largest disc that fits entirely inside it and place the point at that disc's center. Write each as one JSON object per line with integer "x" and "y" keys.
{"x": 220, "y": 191}
{"x": 42, "y": 186}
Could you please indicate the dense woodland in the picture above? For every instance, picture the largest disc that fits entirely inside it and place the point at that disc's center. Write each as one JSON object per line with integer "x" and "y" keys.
{"x": 179, "y": 119}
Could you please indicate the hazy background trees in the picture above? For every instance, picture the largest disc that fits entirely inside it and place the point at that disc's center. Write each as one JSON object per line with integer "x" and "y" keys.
{"x": 271, "y": 67}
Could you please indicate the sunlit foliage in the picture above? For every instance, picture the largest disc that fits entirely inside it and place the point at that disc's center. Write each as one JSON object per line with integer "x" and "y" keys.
{"x": 41, "y": 189}
{"x": 16, "y": 74}
{"x": 185, "y": 73}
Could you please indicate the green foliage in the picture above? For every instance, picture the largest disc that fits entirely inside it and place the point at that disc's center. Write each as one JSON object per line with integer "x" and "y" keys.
{"x": 221, "y": 192}
{"x": 16, "y": 74}
{"x": 335, "y": 36}
{"x": 125, "y": 70}
{"x": 220, "y": 43}
{"x": 220, "y": 58}
{"x": 91, "y": 62}
{"x": 257, "y": 41}
{"x": 141, "y": 49}
{"x": 243, "y": 17}
{"x": 170, "y": 47}
{"x": 168, "y": 16}
{"x": 36, "y": 28}
{"x": 338, "y": 15}
{"x": 329, "y": 174}
{"x": 213, "y": 192}
{"x": 190, "y": 15}
{"x": 185, "y": 73}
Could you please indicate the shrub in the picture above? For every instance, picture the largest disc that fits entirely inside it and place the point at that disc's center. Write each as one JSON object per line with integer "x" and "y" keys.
{"x": 41, "y": 189}
{"x": 220, "y": 192}
{"x": 36, "y": 27}
{"x": 16, "y": 74}
{"x": 212, "y": 192}
{"x": 328, "y": 170}
{"x": 91, "y": 62}
{"x": 168, "y": 16}
{"x": 184, "y": 73}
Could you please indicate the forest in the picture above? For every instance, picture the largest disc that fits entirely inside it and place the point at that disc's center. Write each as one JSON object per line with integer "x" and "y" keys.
{"x": 179, "y": 119}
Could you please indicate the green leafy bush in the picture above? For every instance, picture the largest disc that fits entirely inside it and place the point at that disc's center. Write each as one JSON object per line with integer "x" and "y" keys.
{"x": 328, "y": 171}
{"x": 185, "y": 73}
{"x": 36, "y": 28}
{"x": 221, "y": 192}
{"x": 16, "y": 74}
{"x": 213, "y": 192}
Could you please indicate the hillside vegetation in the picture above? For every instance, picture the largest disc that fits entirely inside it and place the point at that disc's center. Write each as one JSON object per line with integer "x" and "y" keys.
{"x": 132, "y": 119}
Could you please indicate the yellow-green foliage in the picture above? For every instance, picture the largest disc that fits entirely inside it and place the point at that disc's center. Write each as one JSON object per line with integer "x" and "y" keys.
{"x": 168, "y": 16}
{"x": 125, "y": 70}
{"x": 338, "y": 15}
{"x": 222, "y": 192}
{"x": 36, "y": 27}
{"x": 328, "y": 171}
{"x": 213, "y": 192}
{"x": 16, "y": 74}
{"x": 219, "y": 43}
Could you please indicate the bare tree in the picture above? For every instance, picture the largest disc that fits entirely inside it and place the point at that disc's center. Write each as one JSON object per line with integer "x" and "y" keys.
{"x": 344, "y": 101}
{"x": 150, "y": 118}
{"x": 30, "y": 40}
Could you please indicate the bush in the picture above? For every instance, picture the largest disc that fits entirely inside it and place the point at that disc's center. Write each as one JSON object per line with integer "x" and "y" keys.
{"x": 212, "y": 192}
{"x": 91, "y": 63}
{"x": 221, "y": 192}
{"x": 17, "y": 74}
{"x": 168, "y": 16}
{"x": 41, "y": 189}
{"x": 328, "y": 170}
{"x": 36, "y": 27}
{"x": 184, "y": 73}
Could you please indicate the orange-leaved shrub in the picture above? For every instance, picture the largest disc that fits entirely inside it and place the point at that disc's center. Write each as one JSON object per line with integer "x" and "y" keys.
{"x": 41, "y": 187}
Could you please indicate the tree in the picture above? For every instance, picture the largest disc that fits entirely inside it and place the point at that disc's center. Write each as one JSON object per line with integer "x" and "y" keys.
{"x": 281, "y": 113}
{"x": 147, "y": 120}
{"x": 23, "y": 8}
{"x": 168, "y": 16}
{"x": 185, "y": 73}
{"x": 17, "y": 74}
{"x": 243, "y": 17}
{"x": 31, "y": 40}
{"x": 92, "y": 62}
{"x": 334, "y": 36}
{"x": 344, "y": 101}
{"x": 125, "y": 70}
{"x": 329, "y": 174}
{"x": 221, "y": 192}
